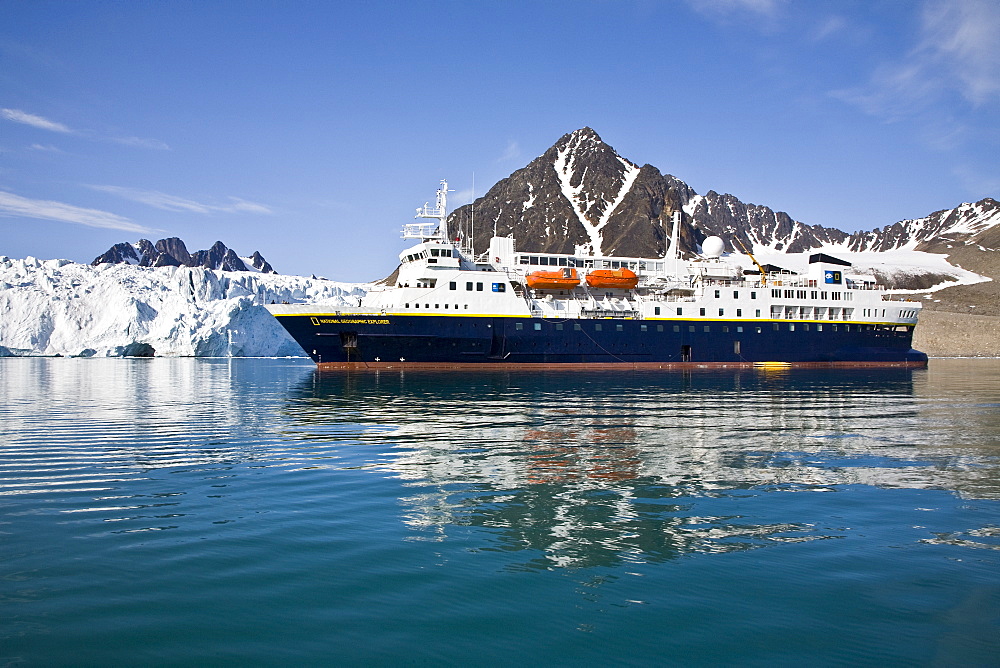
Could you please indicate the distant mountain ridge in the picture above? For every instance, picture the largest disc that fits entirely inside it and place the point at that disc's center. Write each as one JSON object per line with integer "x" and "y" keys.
{"x": 582, "y": 191}
{"x": 172, "y": 252}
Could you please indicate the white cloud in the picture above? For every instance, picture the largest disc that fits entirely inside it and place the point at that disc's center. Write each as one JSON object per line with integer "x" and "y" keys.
{"x": 139, "y": 142}
{"x": 24, "y": 117}
{"x": 18, "y": 116}
{"x": 167, "y": 202}
{"x": 962, "y": 39}
{"x": 15, "y": 205}
{"x": 45, "y": 147}
{"x": 511, "y": 152}
{"x": 957, "y": 51}
{"x": 761, "y": 7}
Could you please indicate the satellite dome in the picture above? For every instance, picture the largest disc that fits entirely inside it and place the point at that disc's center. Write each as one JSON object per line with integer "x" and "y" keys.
{"x": 713, "y": 247}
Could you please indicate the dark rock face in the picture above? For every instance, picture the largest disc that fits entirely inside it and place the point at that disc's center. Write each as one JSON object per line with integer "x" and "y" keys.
{"x": 136, "y": 350}
{"x": 580, "y": 190}
{"x": 172, "y": 252}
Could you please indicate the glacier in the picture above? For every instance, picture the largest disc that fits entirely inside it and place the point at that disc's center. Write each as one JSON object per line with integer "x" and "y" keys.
{"x": 59, "y": 307}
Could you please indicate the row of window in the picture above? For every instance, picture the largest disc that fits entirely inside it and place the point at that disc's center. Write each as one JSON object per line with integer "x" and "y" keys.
{"x": 497, "y": 287}
{"x": 434, "y": 252}
{"x": 589, "y": 263}
{"x": 801, "y": 294}
{"x": 791, "y": 327}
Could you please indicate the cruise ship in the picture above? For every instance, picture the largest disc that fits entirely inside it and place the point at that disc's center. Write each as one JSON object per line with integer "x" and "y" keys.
{"x": 448, "y": 308}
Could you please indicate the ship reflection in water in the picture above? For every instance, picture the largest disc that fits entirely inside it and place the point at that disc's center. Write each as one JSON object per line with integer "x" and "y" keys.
{"x": 591, "y": 469}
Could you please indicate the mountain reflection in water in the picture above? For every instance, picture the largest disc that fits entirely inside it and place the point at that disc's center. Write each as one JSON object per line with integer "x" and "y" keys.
{"x": 589, "y": 469}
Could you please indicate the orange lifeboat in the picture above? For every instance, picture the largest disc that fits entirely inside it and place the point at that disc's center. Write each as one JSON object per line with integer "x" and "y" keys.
{"x": 612, "y": 278}
{"x": 565, "y": 279}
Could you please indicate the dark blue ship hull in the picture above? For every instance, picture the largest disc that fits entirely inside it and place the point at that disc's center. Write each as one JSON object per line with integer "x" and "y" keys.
{"x": 429, "y": 341}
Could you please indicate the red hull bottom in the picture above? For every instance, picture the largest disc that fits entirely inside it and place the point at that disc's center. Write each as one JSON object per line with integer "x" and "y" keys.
{"x": 668, "y": 366}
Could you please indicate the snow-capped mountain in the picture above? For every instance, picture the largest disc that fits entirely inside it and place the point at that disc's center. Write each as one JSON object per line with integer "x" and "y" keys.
{"x": 173, "y": 253}
{"x": 56, "y": 307}
{"x": 580, "y": 190}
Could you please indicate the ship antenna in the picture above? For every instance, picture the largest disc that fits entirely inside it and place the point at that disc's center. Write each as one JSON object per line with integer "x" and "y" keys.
{"x": 440, "y": 210}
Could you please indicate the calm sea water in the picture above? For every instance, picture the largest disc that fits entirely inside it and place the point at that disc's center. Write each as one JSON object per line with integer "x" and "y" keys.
{"x": 221, "y": 512}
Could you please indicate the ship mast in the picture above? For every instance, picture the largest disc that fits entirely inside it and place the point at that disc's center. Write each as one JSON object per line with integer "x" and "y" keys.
{"x": 440, "y": 210}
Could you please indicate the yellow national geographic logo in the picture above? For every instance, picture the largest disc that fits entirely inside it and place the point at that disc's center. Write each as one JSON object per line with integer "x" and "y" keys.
{"x": 348, "y": 321}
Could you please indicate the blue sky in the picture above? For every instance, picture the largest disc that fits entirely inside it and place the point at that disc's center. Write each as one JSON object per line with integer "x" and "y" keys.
{"x": 312, "y": 130}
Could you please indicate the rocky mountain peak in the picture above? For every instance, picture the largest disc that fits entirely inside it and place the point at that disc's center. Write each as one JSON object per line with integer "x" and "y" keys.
{"x": 172, "y": 252}
{"x": 581, "y": 191}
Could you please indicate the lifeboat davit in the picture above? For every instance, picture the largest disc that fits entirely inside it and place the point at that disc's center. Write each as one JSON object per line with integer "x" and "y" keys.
{"x": 624, "y": 279}
{"x": 565, "y": 279}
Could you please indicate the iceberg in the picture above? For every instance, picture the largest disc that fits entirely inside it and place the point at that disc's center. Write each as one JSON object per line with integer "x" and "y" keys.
{"x": 58, "y": 307}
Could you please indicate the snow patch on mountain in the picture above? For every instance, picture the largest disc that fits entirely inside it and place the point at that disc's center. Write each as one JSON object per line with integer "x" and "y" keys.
{"x": 57, "y": 307}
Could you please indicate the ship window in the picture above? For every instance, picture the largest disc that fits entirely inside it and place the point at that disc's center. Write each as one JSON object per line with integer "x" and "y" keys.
{"x": 643, "y": 328}
{"x": 822, "y": 295}
{"x": 789, "y": 294}
{"x": 446, "y": 306}
{"x": 434, "y": 252}
{"x": 598, "y": 327}
{"x": 717, "y": 293}
{"x": 559, "y": 326}
{"x": 813, "y": 294}
{"x": 680, "y": 311}
{"x": 427, "y": 305}
{"x": 736, "y": 347}
{"x": 835, "y": 328}
{"x": 758, "y": 314}
{"x": 835, "y": 295}
{"x": 739, "y": 313}
{"x": 758, "y": 330}
{"x": 437, "y": 306}
{"x": 707, "y": 328}
{"x": 563, "y": 262}
{"x": 736, "y": 294}
{"x": 656, "y": 310}
{"x": 774, "y": 326}
{"x": 453, "y": 285}
{"x": 725, "y": 328}
{"x": 800, "y": 294}
{"x": 677, "y": 328}
{"x": 753, "y": 295}
{"x": 538, "y": 326}
{"x": 407, "y": 305}
{"x": 701, "y": 311}
{"x": 479, "y": 287}
{"x": 690, "y": 328}
{"x": 739, "y": 328}
{"x": 518, "y": 326}
{"x": 618, "y": 328}
{"x": 722, "y": 312}
{"x": 532, "y": 260}
{"x": 523, "y": 259}
{"x": 805, "y": 327}
{"x": 468, "y": 286}
{"x": 576, "y": 327}
{"x": 791, "y": 327}
{"x": 775, "y": 293}
{"x": 819, "y": 328}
